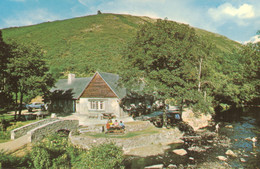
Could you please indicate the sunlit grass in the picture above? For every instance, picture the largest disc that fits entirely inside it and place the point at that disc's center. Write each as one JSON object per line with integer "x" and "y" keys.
{"x": 150, "y": 130}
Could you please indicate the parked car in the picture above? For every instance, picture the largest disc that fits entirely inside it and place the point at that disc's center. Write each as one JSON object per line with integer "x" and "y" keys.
{"x": 173, "y": 115}
{"x": 35, "y": 105}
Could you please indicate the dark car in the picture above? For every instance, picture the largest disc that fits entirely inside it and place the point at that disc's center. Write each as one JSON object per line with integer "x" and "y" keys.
{"x": 172, "y": 115}
{"x": 35, "y": 105}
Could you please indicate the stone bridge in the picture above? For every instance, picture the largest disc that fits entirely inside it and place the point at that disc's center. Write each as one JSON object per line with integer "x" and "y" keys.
{"x": 38, "y": 130}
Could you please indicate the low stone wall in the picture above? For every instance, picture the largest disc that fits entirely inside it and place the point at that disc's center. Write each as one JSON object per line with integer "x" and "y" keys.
{"x": 165, "y": 136}
{"x": 52, "y": 127}
{"x": 21, "y": 131}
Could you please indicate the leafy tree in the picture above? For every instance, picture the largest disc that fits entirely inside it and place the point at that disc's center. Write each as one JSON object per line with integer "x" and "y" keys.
{"x": 5, "y": 96}
{"x": 167, "y": 60}
{"x": 28, "y": 72}
{"x": 236, "y": 81}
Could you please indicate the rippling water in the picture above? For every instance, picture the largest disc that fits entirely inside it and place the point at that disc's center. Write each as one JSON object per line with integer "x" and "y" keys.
{"x": 245, "y": 124}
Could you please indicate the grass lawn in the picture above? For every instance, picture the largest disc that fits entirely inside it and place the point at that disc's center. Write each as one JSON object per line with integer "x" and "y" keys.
{"x": 150, "y": 130}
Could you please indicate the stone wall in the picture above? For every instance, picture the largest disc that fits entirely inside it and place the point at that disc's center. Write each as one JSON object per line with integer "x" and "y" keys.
{"x": 50, "y": 128}
{"x": 165, "y": 136}
{"x": 21, "y": 131}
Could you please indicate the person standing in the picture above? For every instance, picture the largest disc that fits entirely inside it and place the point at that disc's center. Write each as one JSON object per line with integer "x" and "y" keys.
{"x": 217, "y": 128}
{"x": 254, "y": 139}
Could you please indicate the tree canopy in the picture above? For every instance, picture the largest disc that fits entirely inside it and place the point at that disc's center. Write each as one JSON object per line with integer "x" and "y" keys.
{"x": 5, "y": 54}
{"x": 166, "y": 59}
{"x": 169, "y": 60}
{"x": 27, "y": 72}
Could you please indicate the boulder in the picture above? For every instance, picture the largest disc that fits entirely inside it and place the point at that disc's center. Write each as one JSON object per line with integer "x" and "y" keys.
{"x": 196, "y": 122}
{"x": 222, "y": 158}
{"x": 242, "y": 160}
{"x": 231, "y": 153}
{"x": 157, "y": 166}
{"x": 181, "y": 152}
{"x": 191, "y": 158}
{"x": 229, "y": 126}
{"x": 171, "y": 166}
{"x": 197, "y": 149}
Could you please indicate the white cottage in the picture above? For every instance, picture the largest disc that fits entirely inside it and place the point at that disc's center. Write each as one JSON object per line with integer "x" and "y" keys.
{"x": 92, "y": 96}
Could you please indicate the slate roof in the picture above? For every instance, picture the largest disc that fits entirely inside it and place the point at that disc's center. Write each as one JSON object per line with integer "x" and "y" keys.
{"x": 112, "y": 81}
{"x": 78, "y": 85}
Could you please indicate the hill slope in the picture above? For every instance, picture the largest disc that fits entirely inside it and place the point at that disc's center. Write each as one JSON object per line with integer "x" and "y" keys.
{"x": 86, "y": 44}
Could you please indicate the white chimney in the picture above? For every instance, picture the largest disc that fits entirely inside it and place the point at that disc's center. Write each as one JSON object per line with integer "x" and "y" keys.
{"x": 71, "y": 77}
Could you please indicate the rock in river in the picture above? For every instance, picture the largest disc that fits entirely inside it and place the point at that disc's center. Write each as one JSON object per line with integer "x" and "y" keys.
{"x": 230, "y": 153}
{"x": 181, "y": 152}
{"x": 222, "y": 158}
{"x": 158, "y": 166}
{"x": 242, "y": 160}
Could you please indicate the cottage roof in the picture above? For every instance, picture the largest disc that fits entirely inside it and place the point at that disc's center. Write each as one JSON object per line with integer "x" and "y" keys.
{"x": 112, "y": 80}
{"x": 78, "y": 85}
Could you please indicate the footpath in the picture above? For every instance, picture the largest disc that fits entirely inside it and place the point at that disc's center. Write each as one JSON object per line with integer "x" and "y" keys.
{"x": 14, "y": 145}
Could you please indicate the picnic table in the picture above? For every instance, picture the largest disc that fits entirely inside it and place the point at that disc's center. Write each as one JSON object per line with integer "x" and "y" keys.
{"x": 116, "y": 130}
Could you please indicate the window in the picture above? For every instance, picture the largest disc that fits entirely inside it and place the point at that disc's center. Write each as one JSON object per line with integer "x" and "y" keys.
{"x": 97, "y": 105}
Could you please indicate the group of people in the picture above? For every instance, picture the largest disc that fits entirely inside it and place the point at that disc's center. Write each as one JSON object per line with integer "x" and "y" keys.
{"x": 116, "y": 125}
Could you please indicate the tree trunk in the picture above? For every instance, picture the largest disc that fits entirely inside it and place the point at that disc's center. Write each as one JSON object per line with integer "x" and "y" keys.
{"x": 199, "y": 75}
{"x": 164, "y": 114}
{"x": 16, "y": 106}
{"x": 20, "y": 106}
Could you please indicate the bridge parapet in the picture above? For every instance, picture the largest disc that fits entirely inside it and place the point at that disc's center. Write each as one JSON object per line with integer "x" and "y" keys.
{"x": 21, "y": 131}
{"x": 50, "y": 128}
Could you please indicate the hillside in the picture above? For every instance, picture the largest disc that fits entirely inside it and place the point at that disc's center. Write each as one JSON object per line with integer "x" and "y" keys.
{"x": 86, "y": 44}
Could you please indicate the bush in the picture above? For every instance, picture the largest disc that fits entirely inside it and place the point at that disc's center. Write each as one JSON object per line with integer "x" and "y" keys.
{"x": 56, "y": 152}
{"x": 9, "y": 161}
{"x": 51, "y": 153}
{"x": 107, "y": 156}
{"x": 40, "y": 157}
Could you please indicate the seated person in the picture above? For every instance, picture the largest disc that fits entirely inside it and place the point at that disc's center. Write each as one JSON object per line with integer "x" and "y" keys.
{"x": 116, "y": 124}
{"x": 108, "y": 125}
{"x": 121, "y": 125}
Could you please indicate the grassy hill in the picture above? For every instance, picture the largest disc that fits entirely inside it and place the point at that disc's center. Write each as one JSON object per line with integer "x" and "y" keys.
{"x": 86, "y": 44}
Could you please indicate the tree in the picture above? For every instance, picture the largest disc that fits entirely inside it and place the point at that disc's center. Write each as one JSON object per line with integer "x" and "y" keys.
{"x": 166, "y": 60}
{"x": 28, "y": 73}
{"x": 5, "y": 96}
{"x": 237, "y": 77}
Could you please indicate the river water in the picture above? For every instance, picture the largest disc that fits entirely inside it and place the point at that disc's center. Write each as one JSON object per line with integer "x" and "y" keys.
{"x": 237, "y": 126}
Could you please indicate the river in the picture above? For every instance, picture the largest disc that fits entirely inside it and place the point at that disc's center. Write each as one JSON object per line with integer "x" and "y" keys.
{"x": 236, "y": 126}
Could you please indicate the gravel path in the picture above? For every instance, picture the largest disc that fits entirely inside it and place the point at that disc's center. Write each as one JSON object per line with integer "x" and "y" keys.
{"x": 14, "y": 145}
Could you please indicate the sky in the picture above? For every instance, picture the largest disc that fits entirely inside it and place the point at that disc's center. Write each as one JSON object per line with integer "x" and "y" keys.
{"x": 238, "y": 20}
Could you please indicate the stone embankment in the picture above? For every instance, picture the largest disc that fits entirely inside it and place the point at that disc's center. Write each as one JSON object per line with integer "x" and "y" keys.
{"x": 161, "y": 138}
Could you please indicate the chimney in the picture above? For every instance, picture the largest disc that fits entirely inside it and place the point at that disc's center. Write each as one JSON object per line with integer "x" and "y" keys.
{"x": 71, "y": 77}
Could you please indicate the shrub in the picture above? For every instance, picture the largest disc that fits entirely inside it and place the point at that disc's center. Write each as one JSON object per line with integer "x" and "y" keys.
{"x": 40, "y": 157}
{"x": 107, "y": 156}
{"x": 10, "y": 161}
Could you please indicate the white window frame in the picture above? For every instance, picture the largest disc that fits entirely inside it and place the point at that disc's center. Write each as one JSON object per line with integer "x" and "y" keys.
{"x": 97, "y": 104}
